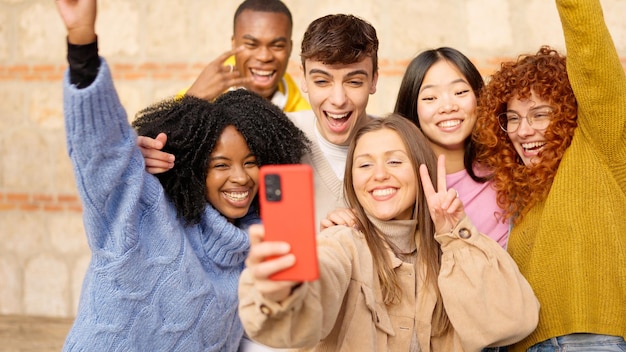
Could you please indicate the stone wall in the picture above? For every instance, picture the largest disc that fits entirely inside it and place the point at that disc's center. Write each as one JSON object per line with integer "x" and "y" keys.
{"x": 155, "y": 48}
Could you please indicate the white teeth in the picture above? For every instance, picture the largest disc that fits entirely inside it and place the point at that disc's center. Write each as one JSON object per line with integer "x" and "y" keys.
{"x": 261, "y": 72}
{"x": 236, "y": 196}
{"x": 449, "y": 123}
{"x": 336, "y": 116}
{"x": 533, "y": 145}
{"x": 383, "y": 192}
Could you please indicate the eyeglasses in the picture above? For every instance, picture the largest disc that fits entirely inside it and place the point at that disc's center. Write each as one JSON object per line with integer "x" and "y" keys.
{"x": 538, "y": 118}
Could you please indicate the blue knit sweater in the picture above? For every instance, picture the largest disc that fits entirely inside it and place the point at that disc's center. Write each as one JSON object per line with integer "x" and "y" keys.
{"x": 152, "y": 284}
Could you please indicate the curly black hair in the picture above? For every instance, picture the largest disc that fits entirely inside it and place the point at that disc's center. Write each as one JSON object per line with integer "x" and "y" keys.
{"x": 193, "y": 127}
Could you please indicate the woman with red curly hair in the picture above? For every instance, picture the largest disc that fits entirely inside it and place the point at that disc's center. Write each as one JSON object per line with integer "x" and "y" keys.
{"x": 554, "y": 133}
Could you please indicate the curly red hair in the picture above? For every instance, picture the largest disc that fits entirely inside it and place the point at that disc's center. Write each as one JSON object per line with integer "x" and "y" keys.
{"x": 518, "y": 186}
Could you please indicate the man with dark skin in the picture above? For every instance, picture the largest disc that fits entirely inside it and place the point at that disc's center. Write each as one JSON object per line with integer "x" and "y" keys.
{"x": 261, "y": 47}
{"x": 258, "y": 59}
{"x": 266, "y": 38}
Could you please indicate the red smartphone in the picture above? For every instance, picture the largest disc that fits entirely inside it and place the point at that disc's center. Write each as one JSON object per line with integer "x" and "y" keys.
{"x": 286, "y": 199}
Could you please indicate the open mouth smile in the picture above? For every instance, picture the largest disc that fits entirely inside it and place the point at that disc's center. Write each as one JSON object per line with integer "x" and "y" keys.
{"x": 449, "y": 123}
{"x": 236, "y": 196}
{"x": 262, "y": 75}
{"x": 533, "y": 146}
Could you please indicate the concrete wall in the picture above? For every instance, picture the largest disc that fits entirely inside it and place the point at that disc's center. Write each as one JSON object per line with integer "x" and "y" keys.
{"x": 155, "y": 48}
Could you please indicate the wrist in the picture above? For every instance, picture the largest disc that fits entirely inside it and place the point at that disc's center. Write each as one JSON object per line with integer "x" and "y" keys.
{"x": 81, "y": 36}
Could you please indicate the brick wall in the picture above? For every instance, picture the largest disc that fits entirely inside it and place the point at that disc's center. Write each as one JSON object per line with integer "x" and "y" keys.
{"x": 155, "y": 48}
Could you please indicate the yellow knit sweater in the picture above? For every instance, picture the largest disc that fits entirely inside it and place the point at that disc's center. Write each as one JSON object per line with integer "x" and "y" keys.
{"x": 572, "y": 246}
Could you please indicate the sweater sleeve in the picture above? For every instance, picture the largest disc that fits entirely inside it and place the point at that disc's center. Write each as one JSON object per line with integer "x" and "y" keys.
{"x": 108, "y": 167}
{"x": 597, "y": 77}
{"x": 488, "y": 301}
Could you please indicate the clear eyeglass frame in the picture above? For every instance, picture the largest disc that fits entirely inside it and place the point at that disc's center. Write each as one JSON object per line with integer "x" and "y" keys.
{"x": 538, "y": 118}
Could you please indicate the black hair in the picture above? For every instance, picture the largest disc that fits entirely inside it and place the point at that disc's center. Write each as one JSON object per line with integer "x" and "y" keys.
{"x": 406, "y": 103}
{"x": 272, "y": 6}
{"x": 193, "y": 127}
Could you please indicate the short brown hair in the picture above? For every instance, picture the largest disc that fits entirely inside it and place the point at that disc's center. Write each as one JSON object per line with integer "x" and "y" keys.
{"x": 340, "y": 39}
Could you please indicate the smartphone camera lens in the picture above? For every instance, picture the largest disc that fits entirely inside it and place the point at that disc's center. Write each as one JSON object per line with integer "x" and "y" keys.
{"x": 273, "y": 191}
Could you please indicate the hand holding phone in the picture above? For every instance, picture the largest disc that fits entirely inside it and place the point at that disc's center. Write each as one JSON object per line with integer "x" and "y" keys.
{"x": 286, "y": 199}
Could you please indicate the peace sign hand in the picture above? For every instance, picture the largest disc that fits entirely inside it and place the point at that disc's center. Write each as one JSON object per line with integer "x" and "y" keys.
{"x": 445, "y": 208}
{"x": 216, "y": 77}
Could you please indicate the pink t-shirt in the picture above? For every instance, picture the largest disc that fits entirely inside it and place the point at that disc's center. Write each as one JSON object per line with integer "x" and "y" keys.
{"x": 480, "y": 204}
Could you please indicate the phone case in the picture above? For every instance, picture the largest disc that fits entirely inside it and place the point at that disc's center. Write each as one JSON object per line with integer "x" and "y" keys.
{"x": 288, "y": 213}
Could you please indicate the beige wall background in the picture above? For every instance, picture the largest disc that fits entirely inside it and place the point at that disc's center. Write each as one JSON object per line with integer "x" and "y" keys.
{"x": 155, "y": 48}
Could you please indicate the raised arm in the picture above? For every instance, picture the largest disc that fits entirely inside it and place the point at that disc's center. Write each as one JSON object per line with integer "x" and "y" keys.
{"x": 107, "y": 165}
{"x": 596, "y": 75}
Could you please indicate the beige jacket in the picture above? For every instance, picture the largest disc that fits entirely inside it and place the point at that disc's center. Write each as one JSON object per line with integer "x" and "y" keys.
{"x": 486, "y": 298}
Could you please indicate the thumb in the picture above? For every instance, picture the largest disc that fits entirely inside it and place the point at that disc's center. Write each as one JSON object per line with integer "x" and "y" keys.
{"x": 162, "y": 138}
{"x": 256, "y": 233}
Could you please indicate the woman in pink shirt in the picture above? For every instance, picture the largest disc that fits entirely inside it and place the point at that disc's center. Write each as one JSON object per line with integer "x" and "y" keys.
{"x": 438, "y": 93}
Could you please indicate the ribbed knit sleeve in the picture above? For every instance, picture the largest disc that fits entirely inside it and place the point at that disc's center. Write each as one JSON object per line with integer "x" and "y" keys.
{"x": 597, "y": 78}
{"x": 109, "y": 169}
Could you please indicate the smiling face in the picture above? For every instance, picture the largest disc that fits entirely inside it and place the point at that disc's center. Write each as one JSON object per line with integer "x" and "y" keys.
{"x": 266, "y": 37}
{"x": 338, "y": 95}
{"x": 383, "y": 176}
{"x": 233, "y": 173}
{"x": 446, "y": 106}
{"x": 526, "y": 140}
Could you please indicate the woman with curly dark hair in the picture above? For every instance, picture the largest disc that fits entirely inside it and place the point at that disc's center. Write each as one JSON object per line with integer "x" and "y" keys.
{"x": 166, "y": 254}
{"x": 198, "y": 137}
{"x": 554, "y": 133}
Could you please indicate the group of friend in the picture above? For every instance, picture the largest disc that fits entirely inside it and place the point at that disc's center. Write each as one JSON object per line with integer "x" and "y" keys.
{"x": 472, "y": 217}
